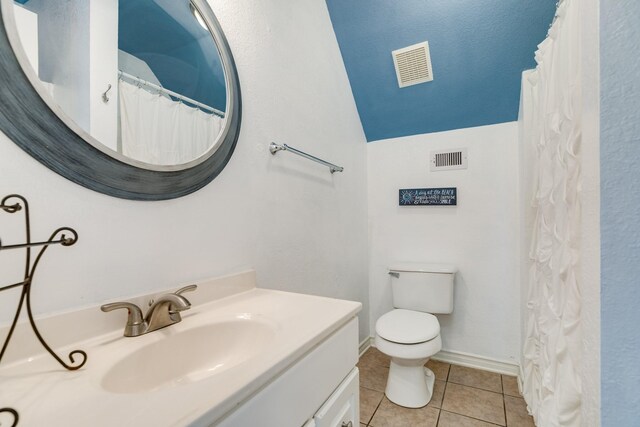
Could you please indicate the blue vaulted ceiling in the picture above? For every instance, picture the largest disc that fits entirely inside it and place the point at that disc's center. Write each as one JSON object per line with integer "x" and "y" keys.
{"x": 180, "y": 52}
{"x": 478, "y": 51}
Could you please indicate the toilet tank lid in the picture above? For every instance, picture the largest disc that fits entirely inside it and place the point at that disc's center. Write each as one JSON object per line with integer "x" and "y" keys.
{"x": 423, "y": 268}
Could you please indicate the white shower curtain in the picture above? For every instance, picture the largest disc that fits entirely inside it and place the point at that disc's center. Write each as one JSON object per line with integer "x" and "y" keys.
{"x": 154, "y": 129}
{"x": 550, "y": 125}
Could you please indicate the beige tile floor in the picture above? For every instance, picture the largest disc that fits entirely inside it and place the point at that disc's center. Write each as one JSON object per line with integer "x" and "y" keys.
{"x": 462, "y": 397}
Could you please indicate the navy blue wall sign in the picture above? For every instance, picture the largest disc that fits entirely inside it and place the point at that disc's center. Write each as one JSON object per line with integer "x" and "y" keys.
{"x": 428, "y": 196}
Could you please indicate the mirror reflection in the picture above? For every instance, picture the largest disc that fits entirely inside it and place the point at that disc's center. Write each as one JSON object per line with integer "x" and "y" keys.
{"x": 143, "y": 78}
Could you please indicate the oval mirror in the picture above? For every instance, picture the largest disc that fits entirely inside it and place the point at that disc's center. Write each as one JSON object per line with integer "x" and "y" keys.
{"x": 138, "y": 99}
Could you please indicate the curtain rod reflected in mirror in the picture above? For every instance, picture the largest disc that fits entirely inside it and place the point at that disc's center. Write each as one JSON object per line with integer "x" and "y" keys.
{"x": 162, "y": 91}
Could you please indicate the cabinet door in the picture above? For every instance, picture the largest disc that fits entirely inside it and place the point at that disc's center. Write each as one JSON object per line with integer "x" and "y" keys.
{"x": 342, "y": 409}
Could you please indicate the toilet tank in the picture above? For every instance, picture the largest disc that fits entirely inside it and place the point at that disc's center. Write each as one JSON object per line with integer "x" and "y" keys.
{"x": 423, "y": 287}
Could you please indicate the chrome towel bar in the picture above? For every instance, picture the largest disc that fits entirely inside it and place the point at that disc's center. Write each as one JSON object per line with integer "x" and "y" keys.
{"x": 274, "y": 148}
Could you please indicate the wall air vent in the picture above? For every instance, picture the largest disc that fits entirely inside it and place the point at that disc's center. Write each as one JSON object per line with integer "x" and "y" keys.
{"x": 413, "y": 64}
{"x": 449, "y": 159}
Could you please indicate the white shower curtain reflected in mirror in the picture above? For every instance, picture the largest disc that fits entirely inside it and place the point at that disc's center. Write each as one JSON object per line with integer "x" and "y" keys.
{"x": 551, "y": 136}
{"x": 157, "y": 130}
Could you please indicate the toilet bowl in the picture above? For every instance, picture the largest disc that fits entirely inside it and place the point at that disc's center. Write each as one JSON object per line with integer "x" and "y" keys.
{"x": 410, "y": 334}
{"x": 409, "y": 338}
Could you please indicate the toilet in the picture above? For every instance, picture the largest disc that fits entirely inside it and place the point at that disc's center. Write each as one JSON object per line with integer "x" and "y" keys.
{"x": 410, "y": 333}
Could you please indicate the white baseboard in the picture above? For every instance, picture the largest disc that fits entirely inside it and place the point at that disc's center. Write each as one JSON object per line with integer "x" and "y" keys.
{"x": 463, "y": 359}
{"x": 365, "y": 345}
{"x": 478, "y": 362}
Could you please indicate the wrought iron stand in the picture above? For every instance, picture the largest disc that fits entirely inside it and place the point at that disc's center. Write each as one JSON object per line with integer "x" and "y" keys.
{"x": 12, "y": 204}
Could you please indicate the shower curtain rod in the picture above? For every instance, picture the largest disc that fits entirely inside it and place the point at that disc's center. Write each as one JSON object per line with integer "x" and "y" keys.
{"x": 162, "y": 90}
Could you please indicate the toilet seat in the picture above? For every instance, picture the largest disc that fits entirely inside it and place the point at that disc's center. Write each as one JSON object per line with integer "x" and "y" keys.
{"x": 407, "y": 327}
{"x": 410, "y": 383}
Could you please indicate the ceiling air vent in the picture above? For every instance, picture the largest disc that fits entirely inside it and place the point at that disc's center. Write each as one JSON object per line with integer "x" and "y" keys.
{"x": 413, "y": 64}
{"x": 449, "y": 159}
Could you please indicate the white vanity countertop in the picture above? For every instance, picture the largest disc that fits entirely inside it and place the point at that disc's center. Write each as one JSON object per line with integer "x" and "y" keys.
{"x": 46, "y": 394}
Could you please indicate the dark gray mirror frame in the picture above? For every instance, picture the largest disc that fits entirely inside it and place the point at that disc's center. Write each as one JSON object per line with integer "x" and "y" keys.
{"x": 27, "y": 119}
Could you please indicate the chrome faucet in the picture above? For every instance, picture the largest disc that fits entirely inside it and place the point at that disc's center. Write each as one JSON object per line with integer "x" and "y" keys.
{"x": 163, "y": 312}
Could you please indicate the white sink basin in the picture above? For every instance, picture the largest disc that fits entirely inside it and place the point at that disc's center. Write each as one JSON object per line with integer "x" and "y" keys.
{"x": 188, "y": 356}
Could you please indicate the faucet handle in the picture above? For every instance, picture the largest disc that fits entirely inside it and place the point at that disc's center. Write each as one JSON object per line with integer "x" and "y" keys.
{"x": 135, "y": 323}
{"x": 189, "y": 288}
{"x": 175, "y": 309}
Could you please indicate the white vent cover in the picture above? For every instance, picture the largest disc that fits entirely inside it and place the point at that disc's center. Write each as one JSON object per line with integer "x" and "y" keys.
{"x": 413, "y": 64}
{"x": 445, "y": 160}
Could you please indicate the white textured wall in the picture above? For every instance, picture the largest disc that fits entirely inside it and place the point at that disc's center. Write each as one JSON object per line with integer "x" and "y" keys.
{"x": 302, "y": 228}
{"x": 479, "y": 235}
{"x": 27, "y": 26}
{"x": 103, "y": 63}
{"x": 64, "y": 38}
{"x": 526, "y": 154}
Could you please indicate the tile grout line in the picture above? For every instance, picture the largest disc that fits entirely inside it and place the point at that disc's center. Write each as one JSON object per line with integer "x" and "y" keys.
{"x": 476, "y": 388}
{"x": 469, "y": 416}
{"x": 375, "y": 410}
{"x": 472, "y": 418}
{"x": 372, "y": 389}
{"x": 373, "y": 362}
{"x": 443, "y": 394}
{"x": 504, "y": 401}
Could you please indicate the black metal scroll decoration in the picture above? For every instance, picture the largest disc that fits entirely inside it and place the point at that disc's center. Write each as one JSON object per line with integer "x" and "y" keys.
{"x": 16, "y": 203}
{"x": 13, "y": 412}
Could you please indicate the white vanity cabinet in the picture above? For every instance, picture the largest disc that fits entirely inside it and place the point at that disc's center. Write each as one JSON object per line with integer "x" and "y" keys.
{"x": 342, "y": 408}
{"x": 319, "y": 390}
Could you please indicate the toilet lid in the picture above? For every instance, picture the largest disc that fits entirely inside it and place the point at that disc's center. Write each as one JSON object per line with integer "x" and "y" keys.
{"x": 407, "y": 326}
